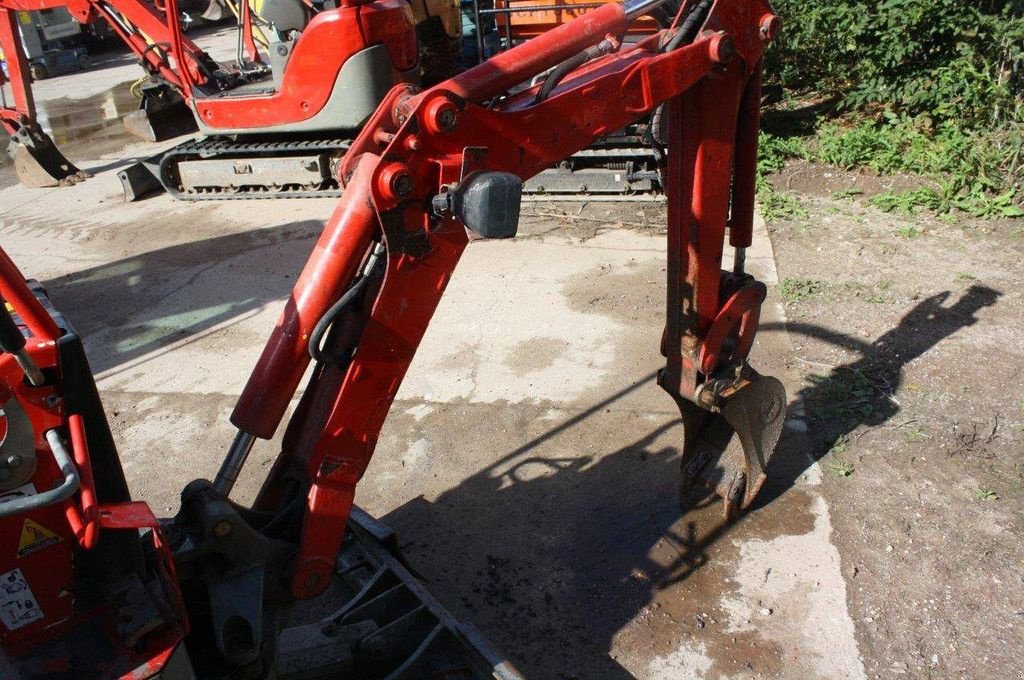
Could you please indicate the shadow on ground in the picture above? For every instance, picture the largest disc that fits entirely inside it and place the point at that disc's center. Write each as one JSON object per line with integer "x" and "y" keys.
{"x": 137, "y": 305}
{"x": 861, "y": 392}
{"x": 557, "y": 546}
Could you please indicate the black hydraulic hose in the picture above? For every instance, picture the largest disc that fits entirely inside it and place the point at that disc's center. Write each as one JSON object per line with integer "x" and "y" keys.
{"x": 691, "y": 24}
{"x": 320, "y": 329}
{"x": 329, "y": 317}
{"x": 559, "y": 73}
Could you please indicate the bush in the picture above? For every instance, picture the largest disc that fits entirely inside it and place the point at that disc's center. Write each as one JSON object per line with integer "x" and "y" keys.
{"x": 957, "y": 60}
{"x": 924, "y": 87}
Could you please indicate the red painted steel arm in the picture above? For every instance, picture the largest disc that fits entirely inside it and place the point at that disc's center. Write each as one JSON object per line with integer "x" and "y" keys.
{"x": 417, "y": 145}
{"x": 14, "y": 290}
{"x": 143, "y": 20}
{"x": 13, "y": 117}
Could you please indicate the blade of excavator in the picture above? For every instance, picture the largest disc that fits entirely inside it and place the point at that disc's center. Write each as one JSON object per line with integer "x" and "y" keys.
{"x": 39, "y": 163}
{"x": 729, "y": 451}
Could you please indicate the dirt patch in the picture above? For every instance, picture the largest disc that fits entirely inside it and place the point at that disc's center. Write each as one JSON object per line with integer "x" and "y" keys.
{"x": 536, "y": 354}
{"x": 814, "y": 179}
{"x": 907, "y": 336}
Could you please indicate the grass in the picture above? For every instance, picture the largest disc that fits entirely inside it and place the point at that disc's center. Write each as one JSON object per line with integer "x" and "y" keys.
{"x": 773, "y": 152}
{"x": 914, "y": 435}
{"x": 796, "y": 290}
{"x": 908, "y": 232}
{"x": 841, "y": 468}
{"x": 846, "y": 194}
{"x": 985, "y": 494}
{"x": 841, "y": 444}
{"x": 844, "y": 395}
{"x": 777, "y": 205}
{"x": 964, "y": 276}
{"x": 966, "y": 171}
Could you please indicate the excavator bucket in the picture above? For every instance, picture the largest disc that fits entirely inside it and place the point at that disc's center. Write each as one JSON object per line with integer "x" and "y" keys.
{"x": 38, "y": 162}
{"x": 162, "y": 115}
{"x": 215, "y": 11}
{"x": 729, "y": 451}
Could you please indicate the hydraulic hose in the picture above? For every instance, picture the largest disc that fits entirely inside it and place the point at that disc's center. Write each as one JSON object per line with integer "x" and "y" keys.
{"x": 559, "y": 73}
{"x": 335, "y": 310}
{"x": 691, "y": 24}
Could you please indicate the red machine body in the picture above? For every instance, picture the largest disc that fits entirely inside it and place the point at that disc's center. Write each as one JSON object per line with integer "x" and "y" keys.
{"x": 428, "y": 168}
{"x": 43, "y": 590}
{"x": 330, "y": 39}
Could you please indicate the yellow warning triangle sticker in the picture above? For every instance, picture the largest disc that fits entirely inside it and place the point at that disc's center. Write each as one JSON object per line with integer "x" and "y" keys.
{"x": 35, "y": 536}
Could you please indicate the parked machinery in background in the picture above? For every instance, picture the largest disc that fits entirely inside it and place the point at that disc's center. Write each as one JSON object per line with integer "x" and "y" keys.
{"x": 52, "y": 42}
{"x": 276, "y": 120}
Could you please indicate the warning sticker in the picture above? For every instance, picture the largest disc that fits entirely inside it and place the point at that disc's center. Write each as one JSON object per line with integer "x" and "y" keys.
{"x": 18, "y": 606}
{"x": 35, "y": 537}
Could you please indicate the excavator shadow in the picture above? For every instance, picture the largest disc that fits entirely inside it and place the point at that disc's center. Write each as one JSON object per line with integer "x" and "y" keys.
{"x": 840, "y": 399}
{"x": 135, "y": 306}
{"x": 559, "y": 548}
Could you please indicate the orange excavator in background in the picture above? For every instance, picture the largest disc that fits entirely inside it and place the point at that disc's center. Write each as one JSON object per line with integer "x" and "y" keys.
{"x": 301, "y": 584}
{"x": 306, "y": 77}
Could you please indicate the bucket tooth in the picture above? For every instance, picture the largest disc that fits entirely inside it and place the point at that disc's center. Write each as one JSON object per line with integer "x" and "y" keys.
{"x": 728, "y": 452}
{"x": 39, "y": 163}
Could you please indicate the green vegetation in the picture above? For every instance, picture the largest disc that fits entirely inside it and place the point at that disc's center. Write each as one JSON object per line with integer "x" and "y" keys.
{"x": 841, "y": 444}
{"x": 841, "y": 468}
{"x": 795, "y": 290}
{"x": 906, "y": 86}
{"x": 843, "y": 396}
{"x": 985, "y": 494}
{"x": 914, "y": 435}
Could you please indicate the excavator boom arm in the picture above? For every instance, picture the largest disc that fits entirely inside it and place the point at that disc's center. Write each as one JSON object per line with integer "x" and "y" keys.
{"x": 430, "y": 164}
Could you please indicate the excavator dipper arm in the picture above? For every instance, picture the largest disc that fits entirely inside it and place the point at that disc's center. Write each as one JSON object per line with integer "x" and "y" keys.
{"x": 430, "y": 167}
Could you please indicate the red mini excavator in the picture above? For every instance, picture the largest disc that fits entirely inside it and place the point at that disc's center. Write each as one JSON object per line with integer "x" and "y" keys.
{"x": 302, "y": 584}
{"x": 308, "y": 74}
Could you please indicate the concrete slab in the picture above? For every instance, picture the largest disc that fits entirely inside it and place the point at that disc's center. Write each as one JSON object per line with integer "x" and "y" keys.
{"x": 530, "y": 463}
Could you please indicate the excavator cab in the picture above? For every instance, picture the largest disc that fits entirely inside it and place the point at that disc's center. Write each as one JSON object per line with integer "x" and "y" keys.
{"x": 307, "y": 75}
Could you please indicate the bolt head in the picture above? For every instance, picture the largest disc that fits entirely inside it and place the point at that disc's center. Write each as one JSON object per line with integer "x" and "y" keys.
{"x": 446, "y": 118}
{"x": 13, "y": 461}
{"x": 222, "y": 528}
{"x": 770, "y": 26}
{"x": 401, "y": 184}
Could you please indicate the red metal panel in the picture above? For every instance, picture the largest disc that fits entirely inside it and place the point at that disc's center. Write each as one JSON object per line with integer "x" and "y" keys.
{"x": 326, "y": 44}
{"x": 14, "y": 290}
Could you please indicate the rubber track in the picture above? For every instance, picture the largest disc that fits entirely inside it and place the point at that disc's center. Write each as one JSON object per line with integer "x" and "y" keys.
{"x": 221, "y": 148}
{"x": 218, "y": 147}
